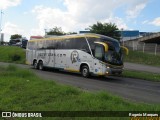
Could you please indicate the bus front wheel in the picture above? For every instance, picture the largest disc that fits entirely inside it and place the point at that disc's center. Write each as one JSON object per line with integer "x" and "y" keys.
{"x": 85, "y": 71}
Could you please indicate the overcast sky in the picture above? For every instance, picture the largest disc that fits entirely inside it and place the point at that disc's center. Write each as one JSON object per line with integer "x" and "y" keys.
{"x": 31, "y": 17}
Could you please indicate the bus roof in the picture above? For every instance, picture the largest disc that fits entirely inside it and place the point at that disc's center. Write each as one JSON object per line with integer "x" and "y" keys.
{"x": 75, "y": 36}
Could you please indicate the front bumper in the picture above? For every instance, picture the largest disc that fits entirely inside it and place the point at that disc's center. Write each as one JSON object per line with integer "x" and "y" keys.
{"x": 114, "y": 70}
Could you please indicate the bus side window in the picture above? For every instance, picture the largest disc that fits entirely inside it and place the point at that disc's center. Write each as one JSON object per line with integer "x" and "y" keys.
{"x": 32, "y": 45}
{"x": 40, "y": 44}
{"x": 60, "y": 44}
{"x": 29, "y": 45}
{"x": 81, "y": 44}
{"x": 65, "y": 44}
{"x": 50, "y": 44}
{"x": 91, "y": 41}
{"x": 68, "y": 44}
{"x": 99, "y": 51}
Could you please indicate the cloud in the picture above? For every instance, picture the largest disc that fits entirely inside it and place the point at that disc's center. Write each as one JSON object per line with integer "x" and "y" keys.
{"x": 4, "y": 4}
{"x": 80, "y": 14}
{"x": 49, "y": 17}
{"x": 145, "y": 22}
{"x": 88, "y": 10}
{"x": 118, "y": 21}
{"x": 134, "y": 12}
{"x": 156, "y": 21}
{"x": 135, "y": 9}
{"x": 10, "y": 29}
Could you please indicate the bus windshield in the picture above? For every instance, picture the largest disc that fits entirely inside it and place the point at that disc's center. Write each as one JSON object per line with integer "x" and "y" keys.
{"x": 114, "y": 54}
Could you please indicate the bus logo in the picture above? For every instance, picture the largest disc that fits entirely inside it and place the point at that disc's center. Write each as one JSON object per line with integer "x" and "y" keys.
{"x": 74, "y": 56}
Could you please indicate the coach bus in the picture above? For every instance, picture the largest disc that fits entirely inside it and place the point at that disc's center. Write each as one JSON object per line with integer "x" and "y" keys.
{"x": 88, "y": 54}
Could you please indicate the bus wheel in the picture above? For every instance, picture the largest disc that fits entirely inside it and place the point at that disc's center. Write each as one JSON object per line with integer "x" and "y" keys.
{"x": 35, "y": 65}
{"x": 40, "y": 65}
{"x": 85, "y": 71}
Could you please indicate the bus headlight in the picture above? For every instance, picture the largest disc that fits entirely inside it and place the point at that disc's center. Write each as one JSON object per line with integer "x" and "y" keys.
{"x": 108, "y": 70}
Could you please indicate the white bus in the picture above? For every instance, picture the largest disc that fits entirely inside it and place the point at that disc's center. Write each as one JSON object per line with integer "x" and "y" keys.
{"x": 83, "y": 53}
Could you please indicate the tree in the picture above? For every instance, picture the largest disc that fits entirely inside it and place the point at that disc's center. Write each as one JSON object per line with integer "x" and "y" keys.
{"x": 71, "y": 33}
{"x": 15, "y": 36}
{"x": 56, "y": 31}
{"x": 108, "y": 29}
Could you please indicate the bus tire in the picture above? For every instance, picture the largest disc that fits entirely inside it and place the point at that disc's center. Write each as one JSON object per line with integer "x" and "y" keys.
{"x": 35, "y": 65}
{"x": 85, "y": 71}
{"x": 40, "y": 65}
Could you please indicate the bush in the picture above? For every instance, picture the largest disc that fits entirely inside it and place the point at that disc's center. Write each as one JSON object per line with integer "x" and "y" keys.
{"x": 15, "y": 57}
{"x": 12, "y": 54}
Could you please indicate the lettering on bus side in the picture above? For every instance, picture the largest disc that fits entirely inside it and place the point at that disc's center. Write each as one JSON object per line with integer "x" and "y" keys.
{"x": 74, "y": 57}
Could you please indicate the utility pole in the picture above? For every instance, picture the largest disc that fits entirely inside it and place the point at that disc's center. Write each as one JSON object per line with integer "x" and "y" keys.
{"x": 1, "y": 35}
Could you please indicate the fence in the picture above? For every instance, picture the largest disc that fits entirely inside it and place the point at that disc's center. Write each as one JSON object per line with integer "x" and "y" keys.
{"x": 144, "y": 47}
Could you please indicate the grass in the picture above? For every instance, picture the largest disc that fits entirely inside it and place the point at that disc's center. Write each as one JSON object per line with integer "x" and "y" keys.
{"x": 21, "y": 90}
{"x": 141, "y": 75}
{"x": 143, "y": 58}
{"x": 12, "y": 54}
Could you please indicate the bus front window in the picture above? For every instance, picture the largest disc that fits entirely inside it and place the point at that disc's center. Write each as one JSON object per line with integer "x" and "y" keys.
{"x": 113, "y": 56}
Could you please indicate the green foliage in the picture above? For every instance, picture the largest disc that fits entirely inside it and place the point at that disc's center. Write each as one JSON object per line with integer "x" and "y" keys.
{"x": 15, "y": 57}
{"x": 108, "y": 29}
{"x": 15, "y": 36}
{"x": 56, "y": 31}
{"x": 142, "y": 58}
{"x": 142, "y": 75}
{"x": 71, "y": 33}
{"x": 12, "y": 54}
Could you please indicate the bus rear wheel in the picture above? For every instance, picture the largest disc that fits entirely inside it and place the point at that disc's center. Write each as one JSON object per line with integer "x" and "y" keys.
{"x": 40, "y": 65}
{"x": 85, "y": 71}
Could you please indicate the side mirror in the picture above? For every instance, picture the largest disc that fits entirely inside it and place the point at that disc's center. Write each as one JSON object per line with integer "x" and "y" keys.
{"x": 125, "y": 49}
{"x": 104, "y": 44}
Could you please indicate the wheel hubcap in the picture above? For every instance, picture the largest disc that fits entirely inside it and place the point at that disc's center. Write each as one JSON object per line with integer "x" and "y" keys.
{"x": 35, "y": 65}
{"x": 85, "y": 71}
{"x": 40, "y": 67}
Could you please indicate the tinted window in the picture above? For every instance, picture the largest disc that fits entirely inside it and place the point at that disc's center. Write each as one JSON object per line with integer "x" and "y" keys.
{"x": 51, "y": 44}
{"x": 99, "y": 52}
{"x": 81, "y": 44}
{"x": 40, "y": 44}
{"x": 74, "y": 43}
{"x": 65, "y": 44}
{"x": 91, "y": 41}
{"x": 113, "y": 44}
{"x": 32, "y": 45}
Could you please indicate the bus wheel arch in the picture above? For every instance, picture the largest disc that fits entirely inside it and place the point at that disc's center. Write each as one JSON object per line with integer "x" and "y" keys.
{"x": 84, "y": 69}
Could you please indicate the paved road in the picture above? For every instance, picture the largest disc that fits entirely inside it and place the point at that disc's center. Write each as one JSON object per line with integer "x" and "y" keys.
{"x": 132, "y": 89}
{"x": 140, "y": 67}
